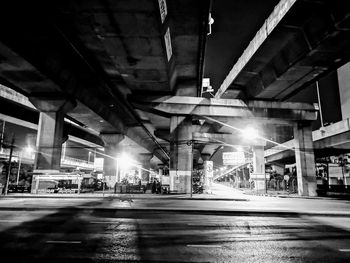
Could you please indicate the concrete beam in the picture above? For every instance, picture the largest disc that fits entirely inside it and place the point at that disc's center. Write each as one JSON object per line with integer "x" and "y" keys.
{"x": 75, "y": 133}
{"x": 180, "y": 105}
{"x": 82, "y": 135}
{"x": 227, "y": 138}
{"x": 12, "y": 95}
{"x": 19, "y": 122}
{"x": 270, "y": 23}
{"x": 163, "y": 134}
{"x": 288, "y": 145}
{"x": 210, "y": 149}
{"x": 233, "y": 121}
{"x": 279, "y": 153}
{"x": 52, "y": 102}
{"x": 279, "y": 156}
{"x": 334, "y": 135}
{"x": 335, "y": 141}
{"x": 136, "y": 134}
{"x": 89, "y": 144}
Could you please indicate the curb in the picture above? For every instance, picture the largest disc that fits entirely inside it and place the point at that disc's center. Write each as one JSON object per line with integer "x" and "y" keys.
{"x": 328, "y": 197}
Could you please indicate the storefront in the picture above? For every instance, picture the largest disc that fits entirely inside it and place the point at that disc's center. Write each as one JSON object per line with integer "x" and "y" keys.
{"x": 333, "y": 173}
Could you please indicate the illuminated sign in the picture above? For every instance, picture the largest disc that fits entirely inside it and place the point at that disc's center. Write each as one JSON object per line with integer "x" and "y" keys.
{"x": 167, "y": 39}
{"x": 163, "y": 9}
{"x": 208, "y": 169}
{"x": 233, "y": 158}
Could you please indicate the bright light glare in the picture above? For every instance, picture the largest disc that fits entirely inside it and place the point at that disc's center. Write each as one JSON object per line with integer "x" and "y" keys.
{"x": 29, "y": 149}
{"x": 125, "y": 161}
{"x": 250, "y": 133}
{"x": 239, "y": 149}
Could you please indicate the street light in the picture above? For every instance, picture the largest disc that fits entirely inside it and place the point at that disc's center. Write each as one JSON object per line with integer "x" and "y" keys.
{"x": 125, "y": 161}
{"x": 206, "y": 87}
{"x": 29, "y": 149}
{"x": 250, "y": 133}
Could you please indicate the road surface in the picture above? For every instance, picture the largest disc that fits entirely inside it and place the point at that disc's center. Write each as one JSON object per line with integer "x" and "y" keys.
{"x": 163, "y": 229}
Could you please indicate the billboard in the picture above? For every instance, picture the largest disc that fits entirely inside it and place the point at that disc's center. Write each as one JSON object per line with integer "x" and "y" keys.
{"x": 233, "y": 158}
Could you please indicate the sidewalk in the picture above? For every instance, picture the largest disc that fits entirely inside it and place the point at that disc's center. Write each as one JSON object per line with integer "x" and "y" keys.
{"x": 223, "y": 200}
{"x": 286, "y": 194}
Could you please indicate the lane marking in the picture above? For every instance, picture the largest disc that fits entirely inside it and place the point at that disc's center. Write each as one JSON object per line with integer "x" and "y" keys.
{"x": 344, "y": 249}
{"x": 205, "y": 246}
{"x": 62, "y": 242}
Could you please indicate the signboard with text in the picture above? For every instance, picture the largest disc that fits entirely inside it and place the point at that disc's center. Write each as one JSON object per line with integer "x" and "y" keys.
{"x": 208, "y": 169}
{"x": 233, "y": 158}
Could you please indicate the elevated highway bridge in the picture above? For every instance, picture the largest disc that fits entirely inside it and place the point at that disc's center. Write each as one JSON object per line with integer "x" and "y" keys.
{"x": 113, "y": 66}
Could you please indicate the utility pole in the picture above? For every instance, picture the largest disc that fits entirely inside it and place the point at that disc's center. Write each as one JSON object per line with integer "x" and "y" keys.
{"x": 19, "y": 166}
{"x": 2, "y": 135}
{"x": 191, "y": 178}
{"x": 9, "y": 166}
{"x": 319, "y": 102}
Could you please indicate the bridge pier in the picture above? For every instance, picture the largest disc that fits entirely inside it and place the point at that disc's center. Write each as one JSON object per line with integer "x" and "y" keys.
{"x": 112, "y": 148}
{"x": 50, "y": 135}
{"x": 207, "y": 164}
{"x": 50, "y": 131}
{"x": 145, "y": 159}
{"x": 181, "y": 156}
{"x": 259, "y": 168}
{"x": 305, "y": 159}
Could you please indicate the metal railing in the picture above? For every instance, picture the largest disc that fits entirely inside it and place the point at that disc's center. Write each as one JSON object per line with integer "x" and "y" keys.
{"x": 278, "y": 184}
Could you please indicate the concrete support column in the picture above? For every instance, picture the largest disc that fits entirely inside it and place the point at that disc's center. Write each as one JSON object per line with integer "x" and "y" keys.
{"x": 181, "y": 156}
{"x": 305, "y": 159}
{"x": 50, "y": 135}
{"x": 145, "y": 159}
{"x": 205, "y": 156}
{"x": 280, "y": 168}
{"x": 50, "y": 131}
{"x": 110, "y": 165}
{"x": 259, "y": 168}
{"x": 161, "y": 170}
{"x": 49, "y": 141}
{"x": 207, "y": 173}
{"x": 164, "y": 175}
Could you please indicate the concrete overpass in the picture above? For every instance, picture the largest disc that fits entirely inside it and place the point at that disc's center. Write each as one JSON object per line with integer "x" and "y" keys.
{"x": 333, "y": 139}
{"x": 88, "y": 60}
{"x": 299, "y": 42}
{"x": 16, "y": 108}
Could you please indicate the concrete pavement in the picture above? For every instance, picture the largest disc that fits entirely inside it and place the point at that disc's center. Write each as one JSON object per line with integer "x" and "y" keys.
{"x": 115, "y": 229}
{"x": 222, "y": 199}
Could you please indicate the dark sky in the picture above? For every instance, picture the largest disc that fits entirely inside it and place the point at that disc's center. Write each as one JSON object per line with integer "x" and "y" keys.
{"x": 232, "y": 34}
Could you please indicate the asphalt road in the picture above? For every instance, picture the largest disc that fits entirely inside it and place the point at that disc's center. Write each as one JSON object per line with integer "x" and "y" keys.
{"x": 131, "y": 230}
